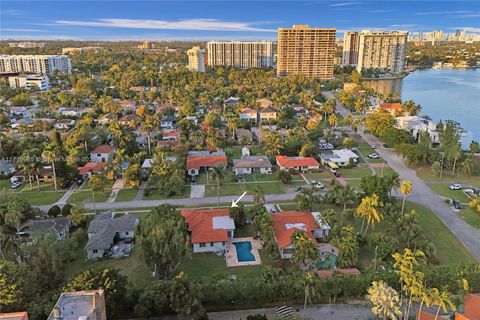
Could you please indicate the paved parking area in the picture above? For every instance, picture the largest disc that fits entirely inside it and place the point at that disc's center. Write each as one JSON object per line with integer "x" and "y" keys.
{"x": 197, "y": 191}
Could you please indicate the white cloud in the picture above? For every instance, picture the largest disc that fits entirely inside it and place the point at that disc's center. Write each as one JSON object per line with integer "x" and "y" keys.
{"x": 12, "y": 12}
{"x": 431, "y": 13}
{"x": 187, "y": 24}
{"x": 38, "y": 37}
{"x": 22, "y": 30}
{"x": 343, "y": 4}
{"x": 404, "y": 25}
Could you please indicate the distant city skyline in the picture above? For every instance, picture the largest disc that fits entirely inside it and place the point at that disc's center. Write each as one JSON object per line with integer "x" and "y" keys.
{"x": 215, "y": 20}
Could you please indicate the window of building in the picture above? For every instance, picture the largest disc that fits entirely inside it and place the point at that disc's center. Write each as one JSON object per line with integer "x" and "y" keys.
{"x": 126, "y": 233}
{"x": 202, "y": 245}
{"x": 211, "y": 244}
{"x": 95, "y": 251}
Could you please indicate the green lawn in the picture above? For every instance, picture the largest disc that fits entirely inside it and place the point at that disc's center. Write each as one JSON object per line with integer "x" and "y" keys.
{"x": 316, "y": 176}
{"x": 354, "y": 182}
{"x": 266, "y": 177}
{"x": 268, "y": 187}
{"x": 365, "y": 149}
{"x": 356, "y": 172}
{"x": 387, "y": 171}
{"x": 85, "y": 195}
{"x": 225, "y": 189}
{"x": 247, "y": 230}
{"x": 425, "y": 173}
{"x": 42, "y": 195}
{"x": 202, "y": 178}
{"x": 126, "y": 194}
{"x": 444, "y": 190}
{"x": 156, "y": 195}
{"x": 471, "y": 217}
{"x": 449, "y": 249}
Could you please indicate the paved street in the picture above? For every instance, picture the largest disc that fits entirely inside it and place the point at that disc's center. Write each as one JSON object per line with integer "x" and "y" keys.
{"x": 422, "y": 194}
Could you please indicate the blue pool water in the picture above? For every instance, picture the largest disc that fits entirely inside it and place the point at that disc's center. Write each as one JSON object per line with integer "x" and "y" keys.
{"x": 244, "y": 251}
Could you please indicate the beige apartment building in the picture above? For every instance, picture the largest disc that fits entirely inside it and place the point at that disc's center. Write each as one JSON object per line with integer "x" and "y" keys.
{"x": 35, "y": 64}
{"x": 382, "y": 50}
{"x": 350, "y": 48}
{"x": 306, "y": 51}
{"x": 241, "y": 54}
{"x": 196, "y": 59}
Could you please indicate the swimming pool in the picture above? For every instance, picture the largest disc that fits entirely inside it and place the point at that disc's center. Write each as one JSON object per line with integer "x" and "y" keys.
{"x": 244, "y": 251}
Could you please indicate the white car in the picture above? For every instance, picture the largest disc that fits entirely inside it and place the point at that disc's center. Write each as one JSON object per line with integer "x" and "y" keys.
{"x": 456, "y": 186}
{"x": 16, "y": 184}
{"x": 373, "y": 146}
{"x": 318, "y": 185}
{"x": 373, "y": 156}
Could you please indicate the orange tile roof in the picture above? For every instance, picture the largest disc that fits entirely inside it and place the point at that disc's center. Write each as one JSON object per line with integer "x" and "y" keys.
{"x": 92, "y": 167}
{"x": 425, "y": 315}
{"x": 471, "y": 306}
{"x": 459, "y": 316}
{"x": 200, "y": 225}
{"x": 23, "y": 315}
{"x": 282, "y": 234}
{"x": 166, "y": 143}
{"x": 395, "y": 105}
{"x": 292, "y": 162}
{"x": 172, "y": 134}
{"x": 347, "y": 271}
{"x": 106, "y": 148}
{"x": 205, "y": 161}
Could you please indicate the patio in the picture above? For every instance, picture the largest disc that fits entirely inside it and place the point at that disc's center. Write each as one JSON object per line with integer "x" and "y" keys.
{"x": 232, "y": 255}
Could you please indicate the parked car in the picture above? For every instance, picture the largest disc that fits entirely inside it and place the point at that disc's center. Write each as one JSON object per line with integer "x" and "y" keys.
{"x": 456, "y": 186}
{"x": 326, "y": 146}
{"x": 16, "y": 184}
{"x": 373, "y": 146}
{"x": 318, "y": 185}
{"x": 373, "y": 156}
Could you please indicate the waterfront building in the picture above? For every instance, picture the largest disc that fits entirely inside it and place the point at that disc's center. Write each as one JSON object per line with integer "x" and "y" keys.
{"x": 196, "y": 59}
{"x": 35, "y": 64}
{"x": 306, "y": 51}
{"x": 241, "y": 54}
{"x": 37, "y": 82}
{"x": 350, "y": 48}
{"x": 382, "y": 50}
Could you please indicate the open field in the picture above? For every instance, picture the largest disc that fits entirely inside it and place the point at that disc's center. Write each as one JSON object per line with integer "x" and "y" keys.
{"x": 425, "y": 173}
{"x": 444, "y": 190}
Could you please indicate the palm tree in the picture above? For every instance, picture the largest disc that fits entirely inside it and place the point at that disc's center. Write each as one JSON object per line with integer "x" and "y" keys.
{"x": 333, "y": 120}
{"x": 116, "y": 130}
{"x": 385, "y": 300}
{"x": 273, "y": 144}
{"x": 345, "y": 195}
{"x": 393, "y": 181}
{"x": 349, "y": 120}
{"x": 328, "y": 107}
{"x": 405, "y": 189}
{"x": 258, "y": 195}
{"x": 442, "y": 299}
{"x": 306, "y": 199}
{"x": 148, "y": 125}
{"x": 359, "y": 104}
{"x": 218, "y": 176}
{"x": 50, "y": 154}
{"x": 368, "y": 210}
{"x": 232, "y": 125}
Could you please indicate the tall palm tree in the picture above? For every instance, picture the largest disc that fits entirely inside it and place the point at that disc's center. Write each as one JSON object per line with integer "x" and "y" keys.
{"x": 50, "y": 154}
{"x": 149, "y": 124}
{"x": 258, "y": 195}
{"x": 333, "y": 120}
{"x": 218, "y": 176}
{"x": 368, "y": 210}
{"x": 328, "y": 107}
{"x": 385, "y": 300}
{"x": 345, "y": 195}
{"x": 393, "y": 181}
{"x": 442, "y": 299}
{"x": 405, "y": 189}
{"x": 349, "y": 120}
{"x": 232, "y": 125}
{"x": 116, "y": 131}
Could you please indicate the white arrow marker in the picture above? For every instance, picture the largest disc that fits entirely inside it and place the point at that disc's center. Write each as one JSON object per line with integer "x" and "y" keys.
{"x": 234, "y": 202}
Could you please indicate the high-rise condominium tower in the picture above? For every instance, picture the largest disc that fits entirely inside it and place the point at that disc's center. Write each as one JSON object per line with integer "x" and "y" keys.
{"x": 382, "y": 50}
{"x": 196, "y": 59}
{"x": 240, "y": 54}
{"x": 306, "y": 51}
{"x": 36, "y": 64}
{"x": 350, "y": 48}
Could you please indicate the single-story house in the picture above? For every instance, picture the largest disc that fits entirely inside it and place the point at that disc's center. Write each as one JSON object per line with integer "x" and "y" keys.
{"x": 127, "y": 120}
{"x": 148, "y": 163}
{"x": 168, "y": 122}
{"x": 38, "y": 227}
{"x": 249, "y": 114}
{"x": 197, "y": 160}
{"x": 297, "y": 163}
{"x": 106, "y": 119}
{"x": 231, "y": 102}
{"x": 242, "y": 134}
{"x": 252, "y": 164}
{"x": 102, "y": 153}
{"x": 20, "y": 315}
{"x": 71, "y": 112}
{"x": 166, "y": 144}
{"x": 90, "y": 168}
{"x": 128, "y": 105}
{"x": 171, "y": 136}
{"x": 6, "y": 168}
{"x": 340, "y": 158}
{"x": 210, "y": 230}
{"x": 44, "y": 174}
{"x": 19, "y": 111}
{"x": 268, "y": 114}
{"x": 64, "y": 124}
{"x": 264, "y": 103}
{"x": 300, "y": 110}
{"x": 287, "y": 222}
{"x": 392, "y": 108}
{"x": 104, "y": 230}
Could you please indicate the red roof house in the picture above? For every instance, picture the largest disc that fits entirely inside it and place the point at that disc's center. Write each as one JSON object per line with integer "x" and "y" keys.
{"x": 287, "y": 222}
{"x": 197, "y": 160}
{"x": 23, "y": 315}
{"x": 92, "y": 167}
{"x": 471, "y": 307}
{"x": 347, "y": 271}
{"x": 102, "y": 153}
{"x": 172, "y": 135}
{"x": 393, "y": 108}
{"x": 297, "y": 163}
{"x": 209, "y": 230}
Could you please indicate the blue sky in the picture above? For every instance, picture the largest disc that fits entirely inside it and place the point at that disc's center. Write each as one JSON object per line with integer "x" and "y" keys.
{"x": 241, "y": 20}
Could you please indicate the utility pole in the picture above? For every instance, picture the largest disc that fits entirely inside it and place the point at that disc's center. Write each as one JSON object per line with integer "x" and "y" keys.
{"x": 441, "y": 166}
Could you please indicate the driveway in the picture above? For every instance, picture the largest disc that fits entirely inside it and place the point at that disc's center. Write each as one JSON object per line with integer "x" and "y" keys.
{"x": 197, "y": 191}
{"x": 422, "y": 194}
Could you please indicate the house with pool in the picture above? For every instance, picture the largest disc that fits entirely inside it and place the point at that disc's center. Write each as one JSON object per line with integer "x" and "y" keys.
{"x": 210, "y": 230}
{"x": 287, "y": 222}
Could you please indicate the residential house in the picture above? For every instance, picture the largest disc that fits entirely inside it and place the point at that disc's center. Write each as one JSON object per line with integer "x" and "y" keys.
{"x": 252, "y": 164}
{"x": 106, "y": 119}
{"x": 22, "y": 315}
{"x": 230, "y": 103}
{"x": 300, "y": 110}
{"x": 102, "y": 153}
{"x": 287, "y": 222}
{"x": 6, "y": 168}
{"x": 147, "y": 163}
{"x": 393, "y": 108}
{"x": 171, "y": 136}
{"x": 351, "y": 86}
{"x": 192, "y": 118}
{"x": 197, "y": 160}
{"x": 210, "y": 230}
{"x": 341, "y": 158}
{"x": 471, "y": 307}
{"x": 127, "y": 120}
{"x": 109, "y": 236}
{"x": 300, "y": 164}
{"x": 243, "y": 135}
{"x": 71, "y": 112}
{"x": 38, "y": 227}
{"x": 80, "y": 305}
{"x": 19, "y": 111}
{"x": 249, "y": 114}
{"x": 268, "y": 114}
{"x": 64, "y": 124}
{"x": 264, "y": 103}
{"x": 168, "y": 122}
{"x": 44, "y": 174}
{"x": 167, "y": 144}
{"x": 138, "y": 89}
{"x": 128, "y": 105}
{"x": 91, "y": 168}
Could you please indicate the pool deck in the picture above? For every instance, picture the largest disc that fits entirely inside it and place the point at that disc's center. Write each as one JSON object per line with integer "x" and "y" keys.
{"x": 232, "y": 260}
